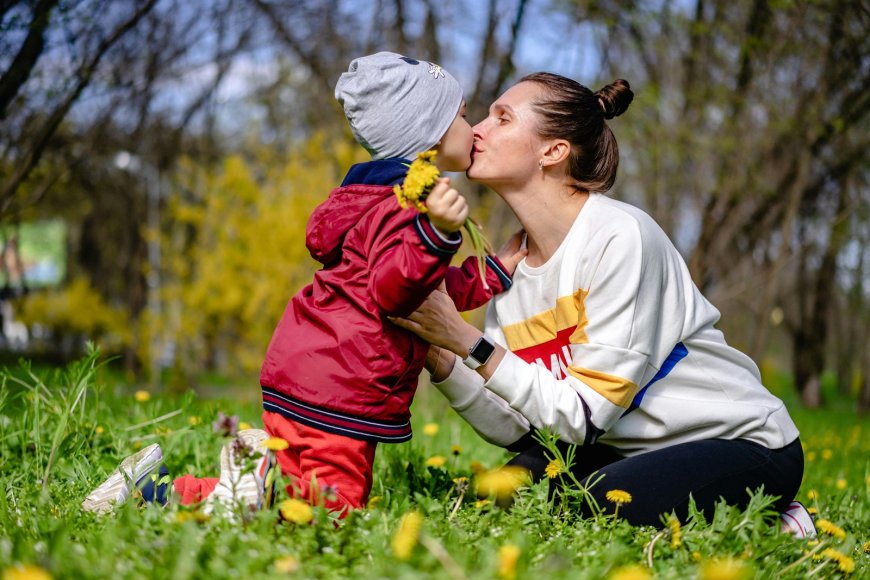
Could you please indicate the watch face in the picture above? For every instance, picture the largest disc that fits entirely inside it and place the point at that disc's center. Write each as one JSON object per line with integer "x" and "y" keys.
{"x": 482, "y": 350}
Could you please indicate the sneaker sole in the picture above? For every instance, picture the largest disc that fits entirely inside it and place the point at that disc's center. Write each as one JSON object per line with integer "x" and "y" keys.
{"x": 117, "y": 488}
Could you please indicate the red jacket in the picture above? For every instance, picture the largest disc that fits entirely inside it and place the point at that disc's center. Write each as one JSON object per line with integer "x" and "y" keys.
{"x": 335, "y": 362}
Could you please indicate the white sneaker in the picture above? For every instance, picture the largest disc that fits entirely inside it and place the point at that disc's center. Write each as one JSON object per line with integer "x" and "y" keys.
{"x": 130, "y": 473}
{"x": 245, "y": 464}
{"x": 797, "y": 521}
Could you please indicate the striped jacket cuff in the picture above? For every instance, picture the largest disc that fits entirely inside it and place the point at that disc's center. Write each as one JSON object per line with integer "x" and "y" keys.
{"x": 434, "y": 240}
{"x": 494, "y": 264}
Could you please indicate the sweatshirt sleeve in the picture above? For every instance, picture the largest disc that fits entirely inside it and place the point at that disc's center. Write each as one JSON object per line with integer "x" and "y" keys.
{"x": 487, "y": 413}
{"x": 408, "y": 259}
{"x": 618, "y": 318}
{"x": 466, "y": 288}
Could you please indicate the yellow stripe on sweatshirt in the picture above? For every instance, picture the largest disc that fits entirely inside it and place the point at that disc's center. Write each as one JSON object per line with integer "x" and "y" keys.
{"x": 617, "y": 390}
{"x": 569, "y": 312}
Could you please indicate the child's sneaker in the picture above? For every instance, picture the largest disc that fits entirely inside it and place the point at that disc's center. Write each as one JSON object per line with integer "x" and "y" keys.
{"x": 239, "y": 483}
{"x": 797, "y": 521}
{"x": 129, "y": 475}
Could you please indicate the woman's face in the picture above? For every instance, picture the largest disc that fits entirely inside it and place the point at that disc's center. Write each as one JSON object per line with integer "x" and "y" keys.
{"x": 454, "y": 149}
{"x": 506, "y": 143}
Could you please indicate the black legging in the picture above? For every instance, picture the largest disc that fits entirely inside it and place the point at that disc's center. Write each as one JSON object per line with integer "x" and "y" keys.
{"x": 661, "y": 481}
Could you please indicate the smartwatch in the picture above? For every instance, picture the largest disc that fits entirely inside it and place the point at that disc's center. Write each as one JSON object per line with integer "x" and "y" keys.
{"x": 480, "y": 353}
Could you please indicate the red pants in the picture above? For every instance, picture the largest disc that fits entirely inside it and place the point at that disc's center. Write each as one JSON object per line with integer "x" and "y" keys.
{"x": 341, "y": 466}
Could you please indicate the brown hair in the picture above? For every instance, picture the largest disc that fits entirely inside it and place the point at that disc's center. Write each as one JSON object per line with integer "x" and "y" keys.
{"x": 572, "y": 112}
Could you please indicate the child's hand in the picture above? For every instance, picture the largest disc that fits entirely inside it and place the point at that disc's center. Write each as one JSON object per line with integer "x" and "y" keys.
{"x": 511, "y": 254}
{"x": 448, "y": 210}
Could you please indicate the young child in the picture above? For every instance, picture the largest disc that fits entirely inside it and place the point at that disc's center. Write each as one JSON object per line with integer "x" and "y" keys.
{"x": 338, "y": 376}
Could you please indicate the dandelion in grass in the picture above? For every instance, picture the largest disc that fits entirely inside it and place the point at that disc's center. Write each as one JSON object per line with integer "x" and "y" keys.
{"x": 431, "y": 429}
{"x": 286, "y": 565}
{"x": 142, "y": 396}
{"x": 830, "y": 528}
{"x": 296, "y": 511}
{"x": 193, "y": 420}
{"x": 676, "y": 532}
{"x": 407, "y": 535}
{"x": 244, "y": 425}
{"x": 28, "y": 572}
{"x": 619, "y": 497}
{"x": 455, "y": 449}
{"x": 866, "y": 547}
{"x": 99, "y": 430}
{"x": 421, "y": 178}
{"x": 501, "y": 483}
{"x": 827, "y": 454}
{"x": 844, "y": 562}
{"x": 275, "y": 444}
{"x": 696, "y": 556}
{"x": 374, "y": 501}
{"x": 482, "y": 503}
{"x": 630, "y": 572}
{"x": 841, "y": 484}
{"x": 476, "y": 467}
{"x": 811, "y": 456}
{"x": 508, "y": 556}
{"x": 724, "y": 569}
{"x": 812, "y": 511}
{"x": 812, "y": 494}
{"x": 553, "y": 469}
{"x": 436, "y": 461}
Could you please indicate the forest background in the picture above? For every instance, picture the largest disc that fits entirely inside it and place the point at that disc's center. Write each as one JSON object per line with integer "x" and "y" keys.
{"x": 174, "y": 149}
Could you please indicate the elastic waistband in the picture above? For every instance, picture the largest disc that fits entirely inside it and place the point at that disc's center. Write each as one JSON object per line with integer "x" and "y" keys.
{"x": 336, "y": 422}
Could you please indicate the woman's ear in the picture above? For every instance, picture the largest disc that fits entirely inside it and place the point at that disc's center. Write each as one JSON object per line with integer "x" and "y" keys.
{"x": 555, "y": 152}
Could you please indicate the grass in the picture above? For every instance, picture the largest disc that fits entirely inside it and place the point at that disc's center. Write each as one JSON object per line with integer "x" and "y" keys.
{"x": 63, "y": 431}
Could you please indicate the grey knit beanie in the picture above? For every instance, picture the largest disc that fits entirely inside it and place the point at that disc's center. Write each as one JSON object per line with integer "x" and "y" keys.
{"x": 397, "y": 106}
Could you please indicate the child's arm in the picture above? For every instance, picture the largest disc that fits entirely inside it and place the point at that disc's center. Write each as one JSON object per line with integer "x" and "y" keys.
{"x": 410, "y": 252}
{"x": 465, "y": 286}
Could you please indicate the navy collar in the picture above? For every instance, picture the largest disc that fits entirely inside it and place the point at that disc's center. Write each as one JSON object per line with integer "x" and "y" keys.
{"x": 380, "y": 172}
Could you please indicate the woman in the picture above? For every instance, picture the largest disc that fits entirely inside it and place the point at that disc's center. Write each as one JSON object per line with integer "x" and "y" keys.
{"x": 603, "y": 338}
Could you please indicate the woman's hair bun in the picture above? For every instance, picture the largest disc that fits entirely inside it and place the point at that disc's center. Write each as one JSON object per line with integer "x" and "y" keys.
{"x": 615, "y": 98}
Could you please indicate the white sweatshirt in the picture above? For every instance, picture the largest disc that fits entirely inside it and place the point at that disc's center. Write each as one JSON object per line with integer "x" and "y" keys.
{"x": 611, "y": 341}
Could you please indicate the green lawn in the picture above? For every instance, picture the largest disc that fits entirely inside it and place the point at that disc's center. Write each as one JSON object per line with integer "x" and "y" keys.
{"x": 62, "y": 433}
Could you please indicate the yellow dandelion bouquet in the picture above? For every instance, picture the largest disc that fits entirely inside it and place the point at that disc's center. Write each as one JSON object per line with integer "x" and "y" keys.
{"x": 421, "y": 178}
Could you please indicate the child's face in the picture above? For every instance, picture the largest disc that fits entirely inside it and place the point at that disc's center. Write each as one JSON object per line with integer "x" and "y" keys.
{"x": 454, "y": 150}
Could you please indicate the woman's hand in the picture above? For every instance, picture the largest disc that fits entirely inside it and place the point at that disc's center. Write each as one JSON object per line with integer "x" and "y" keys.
{"x": 438, "y": 322}
{"x": 439, "y": 363}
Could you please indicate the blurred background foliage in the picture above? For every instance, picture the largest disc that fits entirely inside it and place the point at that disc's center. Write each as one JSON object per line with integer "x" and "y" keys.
{"x": 182, "y": 145}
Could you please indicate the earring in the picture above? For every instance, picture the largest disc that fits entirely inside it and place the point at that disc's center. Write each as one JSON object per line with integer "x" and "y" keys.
{"x": 541, "y": 164}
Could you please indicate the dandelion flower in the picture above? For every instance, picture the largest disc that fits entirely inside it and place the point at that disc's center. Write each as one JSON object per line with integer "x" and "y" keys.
{"x": 407, "y": 535}
{"x": 481, "y": 503}
{"x": 830, "y": 528}
{"x": 373, "y": 501}
{"x": 812, "y": 494}
{"x": 696, "y": 556}
{"x": 618, "y": 496}
{"x": 286, "y": 565}
{"x": 99, "y": 430}
{"x": 676, "y": 532}
{"x": 421, "y": 178}
{"x": 811, "y": 456}
{"x": 866, "y": 547}
{"x": 508, "y": 555}
{"x": 28, "y": 572}
{"x": 436, "y": 461}
{"x": 244, "y": 425}
{"x": 455, "y": 449}
{"x": 844, "y": 562}
{"x": 827, "y": 454}
{"x": 296, "y": 511}
{"x": 724, "y": 569}
{"x": 430, "y": 429}
{"x": 630, "y": 572}
{"x": 193, "y": 420}
{"x": 501, "y": 483}
{"x": 275, "y": 444}
{"x": 841, "y": 483}
{"x": 812, "y": 511}
{"x": 553, "y": 469}
{"x": 476, "y": 467}
{"x": 142, "y": 396}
